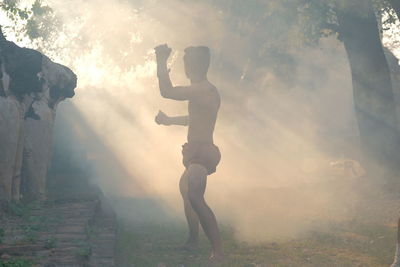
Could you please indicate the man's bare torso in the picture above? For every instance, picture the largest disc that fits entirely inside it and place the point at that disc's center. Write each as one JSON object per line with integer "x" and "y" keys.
{"x": 203, "y": 110}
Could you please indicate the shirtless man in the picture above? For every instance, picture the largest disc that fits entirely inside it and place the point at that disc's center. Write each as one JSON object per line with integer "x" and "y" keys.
{"x": 200, "y": 155}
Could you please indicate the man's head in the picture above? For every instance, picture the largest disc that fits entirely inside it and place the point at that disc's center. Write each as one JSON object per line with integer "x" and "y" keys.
{"x": 197, "y": 61}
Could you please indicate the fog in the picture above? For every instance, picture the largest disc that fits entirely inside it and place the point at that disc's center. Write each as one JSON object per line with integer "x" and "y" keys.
{"x": 281, "y": 136}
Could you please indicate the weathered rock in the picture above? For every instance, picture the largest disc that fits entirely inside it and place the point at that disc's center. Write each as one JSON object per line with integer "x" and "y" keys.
{"x": 10, "y": 125}
{"x": 19, "y": 80}
{"x": 31, "y": 87}
{"x": 22, "y": 65}
{"x": 58, "y": 83}
{"x": 12, "y": 108}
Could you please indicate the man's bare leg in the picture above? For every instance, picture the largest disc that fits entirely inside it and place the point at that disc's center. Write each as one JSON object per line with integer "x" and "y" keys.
{"x": 191, "y": 216}
{"x": 197, "y": 181}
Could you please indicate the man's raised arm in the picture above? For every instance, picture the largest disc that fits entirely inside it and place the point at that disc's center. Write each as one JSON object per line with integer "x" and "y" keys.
{"x": 166, "y": 89}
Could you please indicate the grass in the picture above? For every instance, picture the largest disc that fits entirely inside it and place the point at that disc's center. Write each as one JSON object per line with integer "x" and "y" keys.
{"x": 16, "y": 263}
{"x": 50, "y": 242}
{"x": 154, "y": 242}
{"x": 2, "y": 234}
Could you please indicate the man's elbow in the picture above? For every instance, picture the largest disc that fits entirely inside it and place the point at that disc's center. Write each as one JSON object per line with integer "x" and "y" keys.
{"x": 163, "y": 93}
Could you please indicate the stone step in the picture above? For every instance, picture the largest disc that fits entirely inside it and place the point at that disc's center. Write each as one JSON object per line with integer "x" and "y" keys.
{"x": 64, "y": 237}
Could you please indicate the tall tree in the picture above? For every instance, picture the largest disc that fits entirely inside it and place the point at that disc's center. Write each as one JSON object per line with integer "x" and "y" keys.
{"x": 355, "y": 24}
{"x": 38, "y": 22}
{"x": 372, "y": 88}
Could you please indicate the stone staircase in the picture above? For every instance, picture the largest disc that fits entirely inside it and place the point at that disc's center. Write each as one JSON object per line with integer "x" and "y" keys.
{"x": 76, "y": 232}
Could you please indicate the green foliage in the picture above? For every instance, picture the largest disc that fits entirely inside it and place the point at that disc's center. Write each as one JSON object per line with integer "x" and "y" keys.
{"x": 16, "y": 209}
{"x": 83, "y": 252}
{"x": 2, "y": 234}
{"x": 317, "y": 20}
{"x": 21, "y": 209}
{"x": 37, "y": 22}
{"x": 84, "y": 249}
{"x": 50, "y": 243}
{"x": 16, "y": 263}
{"x": 30, "y": 233}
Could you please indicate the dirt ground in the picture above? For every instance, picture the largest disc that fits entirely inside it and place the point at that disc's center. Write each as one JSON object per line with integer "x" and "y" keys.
{"x": 153, "y": 239}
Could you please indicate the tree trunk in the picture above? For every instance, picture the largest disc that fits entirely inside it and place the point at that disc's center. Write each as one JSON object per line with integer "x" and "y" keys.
{"x": 372, "y": 88}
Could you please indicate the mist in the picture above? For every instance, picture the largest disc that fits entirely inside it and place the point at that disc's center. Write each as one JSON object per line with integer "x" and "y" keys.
{"x": 280, "y": 135}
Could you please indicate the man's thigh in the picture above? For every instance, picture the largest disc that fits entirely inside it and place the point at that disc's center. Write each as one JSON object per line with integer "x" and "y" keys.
{"x": 183, "y": 184}
{"x": 197, "y": 179}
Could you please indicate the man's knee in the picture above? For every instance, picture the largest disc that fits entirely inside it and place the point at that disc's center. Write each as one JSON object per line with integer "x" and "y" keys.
{"x": 196, "y": 200}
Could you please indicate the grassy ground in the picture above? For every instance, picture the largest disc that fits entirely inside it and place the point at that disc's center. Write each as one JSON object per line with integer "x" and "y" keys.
{"x": 153, "y": 240}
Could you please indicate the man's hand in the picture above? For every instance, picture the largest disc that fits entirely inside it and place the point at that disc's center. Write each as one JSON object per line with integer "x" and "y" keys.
{"x": 162, "y": 119}
{"x": 162, "y": 52}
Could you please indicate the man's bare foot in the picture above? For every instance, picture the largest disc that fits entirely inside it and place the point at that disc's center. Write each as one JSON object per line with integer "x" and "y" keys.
{"x": 216, "y": 260}
{"x": 217, "y": 257}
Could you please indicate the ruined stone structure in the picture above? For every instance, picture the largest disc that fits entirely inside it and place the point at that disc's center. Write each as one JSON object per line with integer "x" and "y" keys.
{"x": 58, "y": 83}
{"x": 31, "y": 87}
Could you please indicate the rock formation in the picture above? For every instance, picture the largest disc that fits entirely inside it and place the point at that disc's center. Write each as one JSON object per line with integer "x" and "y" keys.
{"x": 31, "y": 86}
{"x": 58, "y": 83}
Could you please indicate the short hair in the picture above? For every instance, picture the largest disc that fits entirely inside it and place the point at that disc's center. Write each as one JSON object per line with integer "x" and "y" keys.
{"x": 197, "y": 60}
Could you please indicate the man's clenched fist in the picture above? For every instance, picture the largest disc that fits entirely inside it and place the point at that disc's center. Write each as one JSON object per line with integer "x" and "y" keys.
{"x": 162, "y": 52}
{"x": 162, "y": 118}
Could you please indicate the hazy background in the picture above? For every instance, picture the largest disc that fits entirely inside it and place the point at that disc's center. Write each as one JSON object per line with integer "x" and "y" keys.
{"x": 279, "y": 132}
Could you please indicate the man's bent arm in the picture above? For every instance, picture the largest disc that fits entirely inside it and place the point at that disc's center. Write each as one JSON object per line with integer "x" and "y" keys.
{"x": 163, "y": 78}
{"x": 166, "y": 88}
{"x": 180, "y": 120}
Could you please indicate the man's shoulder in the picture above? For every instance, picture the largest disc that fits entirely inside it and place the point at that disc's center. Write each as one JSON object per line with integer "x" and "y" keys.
{"x": 205, "y": 87}
{"x": 206, "y": 94}
{"x": 213, "y": 91}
